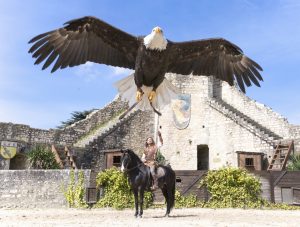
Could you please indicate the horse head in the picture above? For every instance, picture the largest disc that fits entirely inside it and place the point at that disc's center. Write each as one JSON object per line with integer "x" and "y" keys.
{"x": 125, "y": 159}
{"x": 129, "y": 160}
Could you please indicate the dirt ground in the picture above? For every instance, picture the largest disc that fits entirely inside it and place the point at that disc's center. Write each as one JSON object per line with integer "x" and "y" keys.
{"x": 152, "y": 217}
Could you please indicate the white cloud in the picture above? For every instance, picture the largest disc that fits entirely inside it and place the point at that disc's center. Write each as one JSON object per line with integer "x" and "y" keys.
{"x": 118, "y": 71}
{"x": 91, "y": 71}
{"x": 87, "y": 71}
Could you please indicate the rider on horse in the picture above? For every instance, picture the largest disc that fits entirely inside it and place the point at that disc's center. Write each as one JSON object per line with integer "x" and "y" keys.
{"x": 149, "y": 157}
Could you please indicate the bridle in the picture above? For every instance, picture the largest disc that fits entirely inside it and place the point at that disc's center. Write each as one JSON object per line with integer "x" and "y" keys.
{"x": 126, "y": 170}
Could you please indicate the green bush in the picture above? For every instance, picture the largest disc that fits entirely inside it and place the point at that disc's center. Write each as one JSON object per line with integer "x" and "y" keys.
{"x": 160, "y": 159}
{"x": 186, "y": 201}
{"x": 117, "y": 192}
{"x": 41, "y": 157}
{"x": 281, "y": 206}
{"x": 294, "y": 163}
{"x": 75, "y": 192}
{"x": 232, "y": 187}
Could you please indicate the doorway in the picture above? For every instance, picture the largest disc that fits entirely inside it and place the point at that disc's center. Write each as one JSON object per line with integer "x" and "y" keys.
{"x": 202, "y": 157}
{"x": 18, "y": 162}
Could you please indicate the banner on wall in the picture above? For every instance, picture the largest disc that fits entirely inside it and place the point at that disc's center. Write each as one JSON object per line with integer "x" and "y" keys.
{"x": 8, "y": 149}
{"x": 181, "y": 108}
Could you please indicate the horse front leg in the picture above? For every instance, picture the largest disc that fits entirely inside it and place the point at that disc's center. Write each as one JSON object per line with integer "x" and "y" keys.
{"x": 141, "y": 202}
{"x": 136, "y": 202}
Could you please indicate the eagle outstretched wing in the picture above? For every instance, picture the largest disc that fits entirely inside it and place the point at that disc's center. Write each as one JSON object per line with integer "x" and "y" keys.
{"x": 217, "y": 57}
{"x": 85, "y": 39}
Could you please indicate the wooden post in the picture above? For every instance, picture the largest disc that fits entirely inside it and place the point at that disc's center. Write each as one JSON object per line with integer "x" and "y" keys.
{"x": 272, "y": 188}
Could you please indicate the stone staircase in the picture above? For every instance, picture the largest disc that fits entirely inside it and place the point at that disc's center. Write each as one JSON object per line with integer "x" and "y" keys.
{"x": 65, "y": 157}
{"x": 243, "y": 120}
{"x": 103, "y": 129}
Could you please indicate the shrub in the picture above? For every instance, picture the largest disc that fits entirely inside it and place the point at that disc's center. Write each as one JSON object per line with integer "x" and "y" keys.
{"x": 232, "y": 187}
{"x": 41, "y": 157}
{"x": 294, "y": 163}
{"x": 117, "y": 192}
{"x": 75, "y": 192}
{"x": 186, "y": 201}
{"x": 161, "y": 160}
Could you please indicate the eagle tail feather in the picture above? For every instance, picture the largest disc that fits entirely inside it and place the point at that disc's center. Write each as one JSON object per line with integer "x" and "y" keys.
{"x": 165, "y": 92}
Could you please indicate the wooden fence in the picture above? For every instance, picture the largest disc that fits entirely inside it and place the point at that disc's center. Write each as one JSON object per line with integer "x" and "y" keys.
{"x": 277, "y": 186}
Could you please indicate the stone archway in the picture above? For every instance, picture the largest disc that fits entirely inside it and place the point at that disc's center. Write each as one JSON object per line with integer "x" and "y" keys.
{"x": 18, "y": 162}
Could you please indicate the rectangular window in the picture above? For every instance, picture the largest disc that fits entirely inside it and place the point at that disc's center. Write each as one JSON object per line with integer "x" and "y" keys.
{"x": 249, "y": 162}
{"x": 117, "y": 161}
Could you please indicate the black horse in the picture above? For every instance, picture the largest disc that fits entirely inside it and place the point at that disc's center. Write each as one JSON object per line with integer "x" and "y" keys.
{"x": 139, "y": 178}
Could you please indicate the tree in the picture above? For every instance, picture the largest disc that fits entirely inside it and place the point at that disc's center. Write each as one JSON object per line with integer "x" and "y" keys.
{"x": 76, "y": 116}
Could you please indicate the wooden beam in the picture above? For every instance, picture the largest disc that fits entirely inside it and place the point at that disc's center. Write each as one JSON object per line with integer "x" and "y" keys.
{"x": 193, "y": 183}
{"x": 271, "y": 181}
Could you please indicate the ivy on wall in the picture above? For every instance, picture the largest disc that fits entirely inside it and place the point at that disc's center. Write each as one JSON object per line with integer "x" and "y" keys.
{"x": 75, "y": 191}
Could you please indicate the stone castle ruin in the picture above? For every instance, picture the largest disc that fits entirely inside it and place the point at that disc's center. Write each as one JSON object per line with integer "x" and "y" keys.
{"x": 210, "y": 125}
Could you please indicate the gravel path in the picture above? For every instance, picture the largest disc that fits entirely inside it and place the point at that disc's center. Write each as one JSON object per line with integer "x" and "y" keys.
{"x": 152, "y": 217}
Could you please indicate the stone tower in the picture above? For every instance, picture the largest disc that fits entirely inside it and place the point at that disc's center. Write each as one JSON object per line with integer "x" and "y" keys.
{"x": 222, "y": 121}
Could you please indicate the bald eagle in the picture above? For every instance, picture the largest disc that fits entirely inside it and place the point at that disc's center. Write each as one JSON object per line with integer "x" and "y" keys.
{"x": 151, "y": 57}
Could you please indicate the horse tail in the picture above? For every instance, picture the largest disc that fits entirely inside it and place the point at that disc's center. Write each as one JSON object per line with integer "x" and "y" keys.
{"x": 172, "y": 194}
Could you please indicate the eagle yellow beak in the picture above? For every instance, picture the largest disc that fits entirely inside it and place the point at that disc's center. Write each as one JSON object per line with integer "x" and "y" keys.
{"x": 157, "y": 30}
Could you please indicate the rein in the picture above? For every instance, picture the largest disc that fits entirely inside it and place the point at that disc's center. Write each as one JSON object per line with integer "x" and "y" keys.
{"x": 155, "y": 110}
{"x": 128, "y": 170}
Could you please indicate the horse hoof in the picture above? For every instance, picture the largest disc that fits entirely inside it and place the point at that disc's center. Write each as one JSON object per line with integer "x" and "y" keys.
{"x": 140, "y": 216}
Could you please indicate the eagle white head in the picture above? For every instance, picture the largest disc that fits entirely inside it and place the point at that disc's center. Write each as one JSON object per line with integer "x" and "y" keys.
{"x": 156, "y": 40}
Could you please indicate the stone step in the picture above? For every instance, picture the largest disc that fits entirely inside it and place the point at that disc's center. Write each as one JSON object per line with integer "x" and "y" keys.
{"x": 244, "y": 120}
{"x": 115, "y": 122}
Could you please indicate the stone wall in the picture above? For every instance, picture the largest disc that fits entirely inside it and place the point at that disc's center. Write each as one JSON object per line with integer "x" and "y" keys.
{"x": 295, "y": 131}
{"x": 24, "y": 133}
{"x": 34, "y": 188}
{"x": 66, "y": 136}
{"x": 99, "y": 116}
{"x": 132, "y": 135}
{"x": 256, "y": 111}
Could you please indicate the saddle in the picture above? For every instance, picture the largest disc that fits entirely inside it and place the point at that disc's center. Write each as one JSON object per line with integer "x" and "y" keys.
{"x": 151, "y": 163}
{"x": 150, "y": 177}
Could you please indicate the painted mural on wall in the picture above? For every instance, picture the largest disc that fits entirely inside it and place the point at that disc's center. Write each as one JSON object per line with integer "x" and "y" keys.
{"x": 181, "y": 108}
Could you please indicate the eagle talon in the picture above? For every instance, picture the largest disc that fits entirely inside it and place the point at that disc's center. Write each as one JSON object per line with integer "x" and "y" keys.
{"x": 151, "y": 96}
{"x": 139, "y": 95}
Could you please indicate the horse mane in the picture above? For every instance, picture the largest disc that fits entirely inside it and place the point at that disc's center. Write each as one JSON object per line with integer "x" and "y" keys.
{"x": 134, "y": 156}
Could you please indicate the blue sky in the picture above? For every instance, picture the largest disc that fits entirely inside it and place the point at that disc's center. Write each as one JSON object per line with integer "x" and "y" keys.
{"x": 267, "y": 30}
